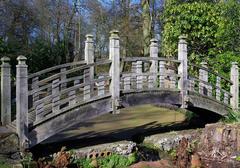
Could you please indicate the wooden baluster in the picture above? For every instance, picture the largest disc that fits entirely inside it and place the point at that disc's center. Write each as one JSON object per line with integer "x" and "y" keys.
{"x": 101, "y": 87}
{"x": 172, "y": 79}
{"x": 139, "y": 75}
{"x": 63, "y": 77}
{"x": 209, "y": 93}
{"x": 35, "y": 96}
{"x": 162, "y": 71}
{"x": 151, "y": 81}
{"x": 72, "y": 98}
{"x": 192, "y": 85}
{"x": 39, "y": 110}
{"x": 226, "y": 98}
{"x": 133, "y": 77}
{"x": 127, "y": 83}
{"x": 76, "y": 82}
{"x": 218, "y": 88}
{"x": 87, "y": 88}
{"x": 203, "y": 75}
{"x": 55, "y": 96}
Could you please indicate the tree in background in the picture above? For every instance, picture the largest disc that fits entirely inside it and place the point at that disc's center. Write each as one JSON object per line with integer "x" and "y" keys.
{"x": 212, "y": 29}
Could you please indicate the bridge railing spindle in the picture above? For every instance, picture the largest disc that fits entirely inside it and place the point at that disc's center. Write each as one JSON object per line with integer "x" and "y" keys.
{"x": 218, "y": 88}
{"x": 139, "y": 75}
{"x": 87, "y": 88}
{"x": 162, "y": 72}
{"x": 133, "y": 71}
{"x": 101, "y": 86}
{"x": 127, "y": 83}
{"x": 55, "y": 96}
{"x": 203, "y": 75}
{"x": 63, "y": 77}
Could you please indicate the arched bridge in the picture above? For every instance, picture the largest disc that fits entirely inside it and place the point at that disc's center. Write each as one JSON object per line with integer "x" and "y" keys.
{"x": 56, "y": 98}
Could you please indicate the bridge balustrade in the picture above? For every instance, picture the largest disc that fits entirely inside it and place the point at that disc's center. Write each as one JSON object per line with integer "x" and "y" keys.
{"x": 47, "y": 94}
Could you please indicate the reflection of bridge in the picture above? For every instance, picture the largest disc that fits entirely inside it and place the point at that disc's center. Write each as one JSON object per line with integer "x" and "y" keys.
{"x": 56, "y": 98}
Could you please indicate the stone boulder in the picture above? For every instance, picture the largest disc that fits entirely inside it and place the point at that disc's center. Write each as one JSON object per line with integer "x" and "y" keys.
{"x": 9, "y": 144}
{"x": 219, "y": 145}
{"x": 121, "y": 148}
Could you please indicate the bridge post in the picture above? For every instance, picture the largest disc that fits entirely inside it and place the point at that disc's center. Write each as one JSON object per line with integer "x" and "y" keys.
{"x": 182, "y": 69}
{"x": 152, "y": 81}
{"x": 114, "y": 55}
{"x": 5, "y": 91}
{"x": 89, "y": 54}
{"x": 22, "y": 101}
{"x": 235, "y": 86}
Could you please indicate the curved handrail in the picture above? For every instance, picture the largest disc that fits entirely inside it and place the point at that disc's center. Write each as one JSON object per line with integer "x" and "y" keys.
{"x": 211, "y": 71}
{"x": 55, "y": 76}
{"x": 55, "y": 68}
{"x": 207, "y": 83}
{"x": 133, "y": 59}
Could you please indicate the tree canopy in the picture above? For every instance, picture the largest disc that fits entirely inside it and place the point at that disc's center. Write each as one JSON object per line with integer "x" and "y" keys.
{"x": 212, "y": 30}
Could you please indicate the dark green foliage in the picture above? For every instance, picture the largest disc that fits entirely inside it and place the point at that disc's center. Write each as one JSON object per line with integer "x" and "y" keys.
{"x": 112, "y": 161}
{"x": 83, "y": 163}
{"x": 3, "y": 164}
{"x": 190, "y": 115}
{"x": 212, "y": 29}
{"x": 232, "y": 117}
{"x": 43, "y": 55}
{"x": 116, "y": 161}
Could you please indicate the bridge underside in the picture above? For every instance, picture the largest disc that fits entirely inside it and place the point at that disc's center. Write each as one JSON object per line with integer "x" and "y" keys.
{"x": 102, "y": 106}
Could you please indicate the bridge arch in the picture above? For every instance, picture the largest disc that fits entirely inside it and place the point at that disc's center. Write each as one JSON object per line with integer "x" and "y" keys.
{"x": 56, "y": 98}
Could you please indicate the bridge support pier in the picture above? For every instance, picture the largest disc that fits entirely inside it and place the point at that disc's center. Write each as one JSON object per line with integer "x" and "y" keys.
{"x": 22, "y": 102}
{"x": 114, "y": 55}
{"x": 5, "y": 91}
{"x": 235, "y": 86}
{"x": 182, "y": 70}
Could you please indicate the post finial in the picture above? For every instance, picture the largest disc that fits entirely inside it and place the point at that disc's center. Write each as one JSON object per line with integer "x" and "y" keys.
{"x": 182, "y": 39}
{"x": 203, "y": 63}
{"x": 234, "y": 64}
{"x": 89, "y": 38}
{"x": 5, "y": 59}
{"x": 21, "y": 59}
{"x": 154, "y": 40}
{"x": 114, "y": 34}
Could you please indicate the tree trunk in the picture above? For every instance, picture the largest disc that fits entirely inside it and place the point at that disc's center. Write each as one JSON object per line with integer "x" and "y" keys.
{"x": 147, "y": 26}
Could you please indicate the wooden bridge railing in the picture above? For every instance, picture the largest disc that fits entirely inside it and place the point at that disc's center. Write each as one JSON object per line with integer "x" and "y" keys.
{"x": 53, "y": 91}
